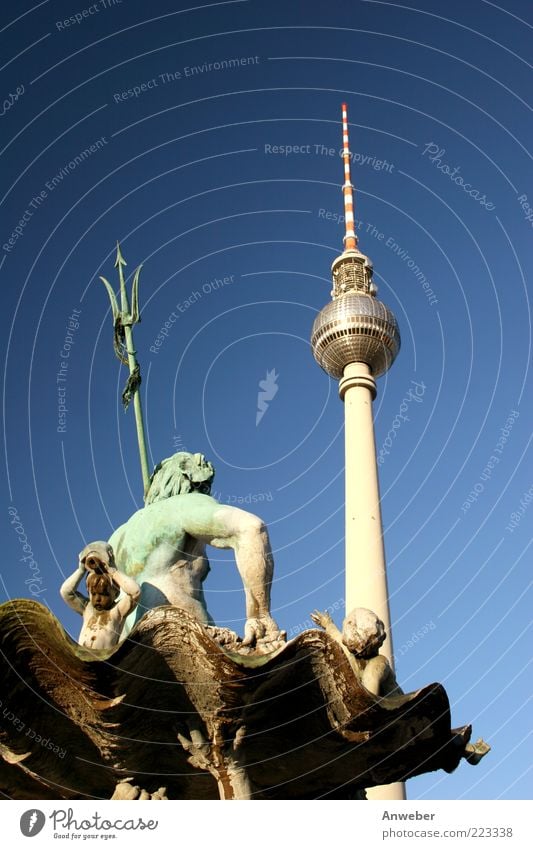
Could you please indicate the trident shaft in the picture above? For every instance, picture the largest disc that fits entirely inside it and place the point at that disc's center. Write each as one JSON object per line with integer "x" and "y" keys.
{"x": 123, "y": 321}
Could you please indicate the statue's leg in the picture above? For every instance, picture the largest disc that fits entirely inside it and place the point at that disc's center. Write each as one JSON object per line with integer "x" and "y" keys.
{"x": 222, "y": 759}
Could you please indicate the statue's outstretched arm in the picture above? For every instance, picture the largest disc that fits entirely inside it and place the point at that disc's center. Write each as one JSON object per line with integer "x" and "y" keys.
{"x": 326, "y": 622}
{"x": 231, "y": 527}
{"x": 253, "y": 555}
{"x": 69, "y": 591}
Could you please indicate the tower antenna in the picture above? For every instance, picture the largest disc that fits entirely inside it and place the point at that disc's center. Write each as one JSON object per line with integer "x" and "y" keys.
{"x": 350, "y": 239}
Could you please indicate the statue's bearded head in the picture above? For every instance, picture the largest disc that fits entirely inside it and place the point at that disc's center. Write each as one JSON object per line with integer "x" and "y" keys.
{"x": 363, "y": 633}
{"x": 178, "y": 475}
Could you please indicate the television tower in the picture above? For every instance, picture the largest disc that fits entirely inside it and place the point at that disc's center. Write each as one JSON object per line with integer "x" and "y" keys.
{"x": 355, "y": 339}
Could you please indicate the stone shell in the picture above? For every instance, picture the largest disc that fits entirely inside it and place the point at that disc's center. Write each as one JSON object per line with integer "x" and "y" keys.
{"x": 355, "y": 328}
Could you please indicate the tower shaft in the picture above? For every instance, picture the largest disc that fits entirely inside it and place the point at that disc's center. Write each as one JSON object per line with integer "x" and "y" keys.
{"x": 365, "y": 569}
{"x": 366, "y": 578}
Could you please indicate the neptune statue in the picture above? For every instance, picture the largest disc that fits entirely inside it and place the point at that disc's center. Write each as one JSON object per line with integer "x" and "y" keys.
{"x": 163, "y": 547}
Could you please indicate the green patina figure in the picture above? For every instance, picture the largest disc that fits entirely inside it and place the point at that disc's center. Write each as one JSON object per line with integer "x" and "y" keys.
{"x": 162, "y": 546}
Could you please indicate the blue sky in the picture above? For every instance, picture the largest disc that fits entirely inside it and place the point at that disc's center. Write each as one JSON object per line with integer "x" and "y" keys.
{"x": 122, "y": 121}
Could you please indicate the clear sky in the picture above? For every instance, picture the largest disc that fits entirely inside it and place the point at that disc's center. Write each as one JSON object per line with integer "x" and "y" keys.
{"x": 207, "y": 141}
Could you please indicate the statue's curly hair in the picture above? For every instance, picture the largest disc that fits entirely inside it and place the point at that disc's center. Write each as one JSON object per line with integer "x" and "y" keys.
{"x": 363, "y": 633}
{"x": 101, "y": 583}
{"x": 178, "y": 475}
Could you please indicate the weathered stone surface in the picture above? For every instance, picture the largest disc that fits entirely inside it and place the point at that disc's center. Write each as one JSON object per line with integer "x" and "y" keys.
{"x": 170, "y": 708}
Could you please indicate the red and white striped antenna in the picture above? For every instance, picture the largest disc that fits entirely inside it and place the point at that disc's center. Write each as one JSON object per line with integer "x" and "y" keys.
{"x": 350, "y": 239}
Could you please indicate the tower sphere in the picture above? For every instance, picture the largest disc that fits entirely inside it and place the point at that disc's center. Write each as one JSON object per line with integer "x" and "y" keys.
{"x": 355, "y": 328}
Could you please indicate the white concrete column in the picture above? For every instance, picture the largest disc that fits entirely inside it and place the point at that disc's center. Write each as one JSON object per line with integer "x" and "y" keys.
{"x": 366, "y": 577}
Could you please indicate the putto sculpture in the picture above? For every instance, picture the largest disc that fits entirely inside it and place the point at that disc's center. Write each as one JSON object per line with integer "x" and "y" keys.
{"x": 103, "y": 613}
{"x": 363, "y": 634}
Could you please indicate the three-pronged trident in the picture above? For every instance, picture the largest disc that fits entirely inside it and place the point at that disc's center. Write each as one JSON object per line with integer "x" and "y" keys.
{"x": 123, "y": 321}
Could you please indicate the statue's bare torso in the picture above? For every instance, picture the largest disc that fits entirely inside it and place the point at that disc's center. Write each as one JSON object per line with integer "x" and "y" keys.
{"x": 101, "y": 628}
{"x": 163, "y": 547}
{"x": 177, "y": 571}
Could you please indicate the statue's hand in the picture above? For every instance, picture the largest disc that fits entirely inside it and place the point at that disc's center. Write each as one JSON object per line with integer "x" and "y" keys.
{"x": 129, "y": 792}
{"x": 98, "y": 557}
{"x": 475, "y": 751}
{"x": 322, "y": 619}
{"x": 261, "y": 630}
{"x": 94, "y": 564}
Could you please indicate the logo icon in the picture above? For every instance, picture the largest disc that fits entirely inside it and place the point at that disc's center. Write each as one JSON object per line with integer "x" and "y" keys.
{"x": 269, "y": 389}
{"x": 32, "y": 822}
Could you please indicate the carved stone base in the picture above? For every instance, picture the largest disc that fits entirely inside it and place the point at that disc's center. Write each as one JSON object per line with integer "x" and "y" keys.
{"x": 176, "y": 714}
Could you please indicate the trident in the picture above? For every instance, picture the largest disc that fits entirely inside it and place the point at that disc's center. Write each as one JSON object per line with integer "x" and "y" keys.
{"x": 123, "y": 321}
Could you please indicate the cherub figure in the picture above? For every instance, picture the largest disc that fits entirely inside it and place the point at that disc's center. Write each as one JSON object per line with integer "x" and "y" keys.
{"x": 363, "y": 634}
{"x": 103, "y": 615}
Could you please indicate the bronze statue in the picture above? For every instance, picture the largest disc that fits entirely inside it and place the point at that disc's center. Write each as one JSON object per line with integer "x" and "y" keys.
{"x": 163, "y": 547}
